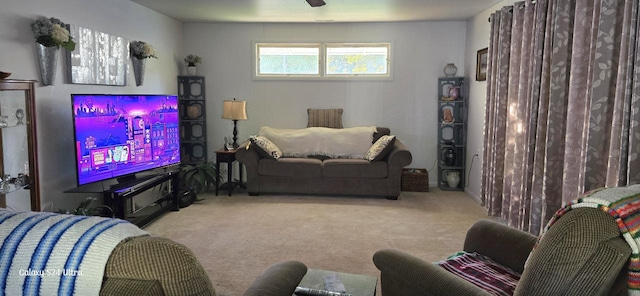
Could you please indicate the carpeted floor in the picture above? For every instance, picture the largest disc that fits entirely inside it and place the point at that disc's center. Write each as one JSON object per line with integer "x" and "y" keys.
{"x": 235, "y": 238}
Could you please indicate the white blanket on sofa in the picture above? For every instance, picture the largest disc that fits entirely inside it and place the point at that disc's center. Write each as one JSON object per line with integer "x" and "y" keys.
{"x": 351, "y": 142}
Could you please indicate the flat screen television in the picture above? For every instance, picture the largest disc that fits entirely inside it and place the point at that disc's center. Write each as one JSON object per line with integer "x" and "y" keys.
{"x": 117, "y": 136}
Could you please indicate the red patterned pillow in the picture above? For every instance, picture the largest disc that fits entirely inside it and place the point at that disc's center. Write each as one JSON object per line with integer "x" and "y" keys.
{"x": 483, "y": 272}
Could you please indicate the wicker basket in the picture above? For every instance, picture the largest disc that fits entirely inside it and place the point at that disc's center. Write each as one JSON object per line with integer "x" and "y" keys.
{"x": 415, "y": 180}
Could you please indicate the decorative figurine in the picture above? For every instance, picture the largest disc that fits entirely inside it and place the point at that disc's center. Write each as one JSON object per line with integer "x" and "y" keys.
{"x": 447, "y": 116}
{"x": 20, "y": 116}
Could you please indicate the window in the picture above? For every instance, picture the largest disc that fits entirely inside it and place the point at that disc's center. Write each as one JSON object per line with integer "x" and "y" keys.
{"x": 356, "y": 60}
{"x": 322, "y": 61}
{"x": 286, "y": 60}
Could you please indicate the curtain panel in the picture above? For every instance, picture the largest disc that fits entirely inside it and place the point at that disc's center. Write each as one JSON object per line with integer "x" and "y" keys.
{"x": 563, "y": 105}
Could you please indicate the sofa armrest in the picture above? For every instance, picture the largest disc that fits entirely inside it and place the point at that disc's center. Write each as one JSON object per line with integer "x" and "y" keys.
{"x": 169, "y": 263}
{"x": 404, "y": 275}
{"x": 249, "y": 156}
{"x": 279, "y": 279}
{"x": 399, "y": 157}
{"x": 121, "y": 286}
{"x": 504, "y": 244}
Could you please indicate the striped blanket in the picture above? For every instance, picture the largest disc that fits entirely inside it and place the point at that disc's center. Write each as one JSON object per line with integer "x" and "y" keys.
{"x": 623, "y": 204}
{"x": 49, "y": 253}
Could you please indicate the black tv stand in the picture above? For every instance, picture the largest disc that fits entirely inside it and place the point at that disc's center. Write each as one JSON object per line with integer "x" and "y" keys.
{"x": 127, "y": 179}
{"x": 121, "y": 197}
{"x": 130, "y": 181}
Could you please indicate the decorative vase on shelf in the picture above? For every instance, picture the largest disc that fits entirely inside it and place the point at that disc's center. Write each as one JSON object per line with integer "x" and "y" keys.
{"x": 449, "y": 156}
{"x": 193, "y": 111}
{"x": 450, "y": 70}
{"x": 454, "y": 93}
{"x": 453, "y": 179}
{"x": 191, "y": 70}
{"x": 138, "y": 69}
{"x": 48, "y": 60}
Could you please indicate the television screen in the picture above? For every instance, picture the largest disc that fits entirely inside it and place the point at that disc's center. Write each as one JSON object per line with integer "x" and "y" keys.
{"x": 119, "y": 135}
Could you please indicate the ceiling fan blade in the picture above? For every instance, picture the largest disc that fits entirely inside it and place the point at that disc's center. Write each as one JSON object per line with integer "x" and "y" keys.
{"x": 316, "y": 3}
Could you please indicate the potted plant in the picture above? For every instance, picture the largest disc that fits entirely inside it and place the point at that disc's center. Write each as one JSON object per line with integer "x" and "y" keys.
{"x": 84, "y": 209}
{"x": 199, "y": 177}
{"x": 192, "y": 61}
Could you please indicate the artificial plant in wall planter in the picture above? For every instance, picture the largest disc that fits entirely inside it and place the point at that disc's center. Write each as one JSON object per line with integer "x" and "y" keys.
{"x": 140, "y": 52}
{"x": 51, "y": 34}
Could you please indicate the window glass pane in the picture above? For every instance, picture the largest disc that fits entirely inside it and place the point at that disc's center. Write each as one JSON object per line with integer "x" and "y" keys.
{"x": 357, "y": 60}
{"x": 288, "y": 60}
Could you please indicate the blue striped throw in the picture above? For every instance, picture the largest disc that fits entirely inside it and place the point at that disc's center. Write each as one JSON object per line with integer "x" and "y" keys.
{"x": 49, "y": 253}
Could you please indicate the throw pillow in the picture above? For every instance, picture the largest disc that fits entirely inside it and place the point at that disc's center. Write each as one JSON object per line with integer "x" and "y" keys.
{"x": 380, "y": 148}
{"x": 483, "y": 272}
{"x": 265, "y": 147}
{"x": 331, "y": 118}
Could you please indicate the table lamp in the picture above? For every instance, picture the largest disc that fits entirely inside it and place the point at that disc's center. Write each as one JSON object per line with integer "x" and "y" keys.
{"x": 234, "y": 110}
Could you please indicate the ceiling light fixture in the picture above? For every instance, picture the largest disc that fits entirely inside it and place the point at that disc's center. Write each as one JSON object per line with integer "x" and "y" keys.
{"x": 316, "y": 3}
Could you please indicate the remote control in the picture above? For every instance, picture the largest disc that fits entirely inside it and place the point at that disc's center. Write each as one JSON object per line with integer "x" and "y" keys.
{"x": 315, "y": 292}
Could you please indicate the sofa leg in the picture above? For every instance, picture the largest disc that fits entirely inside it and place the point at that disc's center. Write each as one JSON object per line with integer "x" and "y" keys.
{"x": 254, "y": 193}
{"x": 392, "y": 197}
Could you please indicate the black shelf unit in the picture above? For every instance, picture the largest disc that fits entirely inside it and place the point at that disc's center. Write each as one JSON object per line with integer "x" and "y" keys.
{"x": 452, "y": 135}
{"x": 193, "y": 119}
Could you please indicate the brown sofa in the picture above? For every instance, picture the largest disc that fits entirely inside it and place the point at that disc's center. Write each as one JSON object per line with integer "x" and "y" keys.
{"x": 325, "y": 176}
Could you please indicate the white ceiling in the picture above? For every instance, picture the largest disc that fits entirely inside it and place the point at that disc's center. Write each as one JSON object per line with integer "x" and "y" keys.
{"x": 334, "y": 11}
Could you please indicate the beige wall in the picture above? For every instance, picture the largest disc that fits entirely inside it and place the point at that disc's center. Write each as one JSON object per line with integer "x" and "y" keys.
{"x": 406, "y": 104}
{"x": 17, "y": 55}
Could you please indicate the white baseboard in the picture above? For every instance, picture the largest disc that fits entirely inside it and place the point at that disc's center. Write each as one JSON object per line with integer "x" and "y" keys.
{"x": 474, "y": 196}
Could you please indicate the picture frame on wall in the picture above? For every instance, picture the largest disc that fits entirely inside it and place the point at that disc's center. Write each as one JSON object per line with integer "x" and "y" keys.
{"x": 481, "y": 64}
{"x": 99, "y": 58}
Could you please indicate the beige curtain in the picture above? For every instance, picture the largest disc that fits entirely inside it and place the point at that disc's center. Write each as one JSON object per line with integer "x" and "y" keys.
{"x": 563, "y": 105}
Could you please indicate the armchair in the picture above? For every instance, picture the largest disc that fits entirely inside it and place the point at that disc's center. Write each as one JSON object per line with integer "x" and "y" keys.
{"x": 583, "y": 253}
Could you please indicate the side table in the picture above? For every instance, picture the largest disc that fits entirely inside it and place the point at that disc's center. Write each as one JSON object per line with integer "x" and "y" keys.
{"x": 229, "y": 157}
{"x": 355, "y": 284}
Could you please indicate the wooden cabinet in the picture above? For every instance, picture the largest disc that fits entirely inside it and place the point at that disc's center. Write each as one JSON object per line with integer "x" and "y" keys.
{"x": 19, "y": 188}
{"x": 193, "y": 119}
{"x": 452, "y": 138}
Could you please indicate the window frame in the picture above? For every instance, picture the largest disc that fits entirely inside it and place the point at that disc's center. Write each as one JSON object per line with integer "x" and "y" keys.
{"x": 322, "y": 75}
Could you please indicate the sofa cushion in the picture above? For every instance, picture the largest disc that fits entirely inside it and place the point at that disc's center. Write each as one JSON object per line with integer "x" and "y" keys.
{"x": 380, "y": 148}
{"x": 354, "y": 168}
{"x": 291, "y": 167}
{"x": 265, "y": 147}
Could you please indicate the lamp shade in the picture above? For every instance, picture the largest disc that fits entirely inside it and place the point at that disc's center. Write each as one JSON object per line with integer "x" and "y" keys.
{"x": 235, "y": 110}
